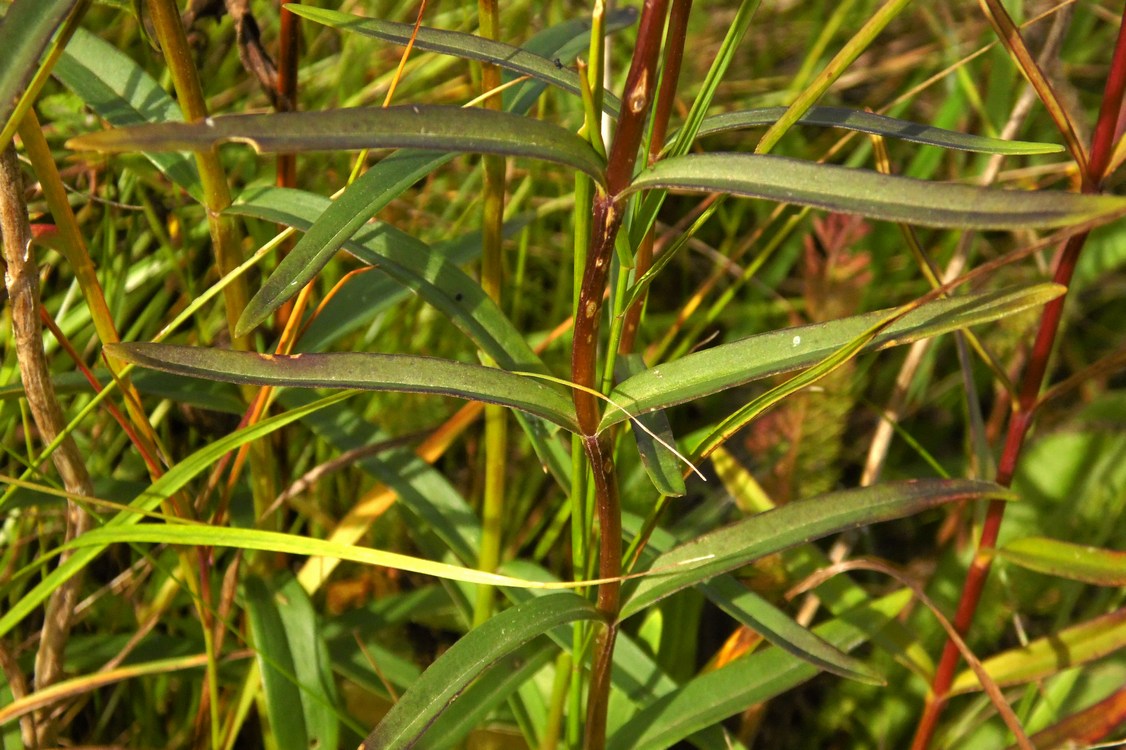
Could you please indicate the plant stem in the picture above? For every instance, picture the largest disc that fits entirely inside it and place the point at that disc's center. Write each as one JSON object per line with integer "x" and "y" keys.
{"x": 496, "y": 417}
{"x": 606, "y": 220}
{"x": 1031, "y": 384}
{"x": 22, "y": 278}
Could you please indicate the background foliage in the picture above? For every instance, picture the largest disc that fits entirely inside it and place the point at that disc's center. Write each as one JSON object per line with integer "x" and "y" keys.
{"x": 807, "y": 421}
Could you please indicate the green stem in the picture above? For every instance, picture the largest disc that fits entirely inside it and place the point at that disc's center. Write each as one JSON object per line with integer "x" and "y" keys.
{"x": 496, "y": 417}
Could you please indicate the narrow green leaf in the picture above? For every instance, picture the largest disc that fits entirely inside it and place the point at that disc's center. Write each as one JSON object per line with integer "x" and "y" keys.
{"x": 1076, "y": 562}
{"x": 272, "y": 541}
{"x": 717, "y": 695}
{"x": 25, "y": 32}
{"x": 783, "y": 631}
{"x": 412, "y": 263}
{"x": 276, "y": 665}
{"x": 856, "y": 44}
{"x": 360, "y": 201}
{"x": 868, "y": 122}
{"x": 312, "y": 667}
{"x": 173, "y": 481}
{"x": 771, "y": 623}
{"x": 729, "y": 365}
{"x": 472, "y": 708}
{"x": 374, "y": 189}
{"x": 122, "y": 93}
{"x": 469, "y": 657}
{"x": 878, "y": 196}
{"x": 664, "y": 468}
{"x": 366, "y": 371}
{"x": 428, "y": 127}
{"x": 1052, "y": 654}
{"x": 457, "y": 44}
{"x": 738, "y": 544}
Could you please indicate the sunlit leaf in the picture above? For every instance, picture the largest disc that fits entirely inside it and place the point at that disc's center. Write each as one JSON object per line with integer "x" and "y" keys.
{"x": 428, "y": 127}
{"x": 171, "y": 482}
{"x": 457, "y": 44}
{"x": 273, "y": 541}
{"x": 728, "y": 365}
{"x": 405, "y": 373}
{"x": 728, "y": 548}
{"x": 868, "y": 122}
{"x": 1043, "y": 657}
{"x": 469, "y": 657}
{"x": 1076, "y": 562}
{"x": 872, "y": 194}
{"x": 122, "y": 93}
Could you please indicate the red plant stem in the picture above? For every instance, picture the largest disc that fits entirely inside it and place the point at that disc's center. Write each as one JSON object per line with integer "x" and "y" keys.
{"x": 662, "y": 110}
{"x": 287, "y": 88}
{"x": 1031, "y": 384}
{"x": 606, "y": 220}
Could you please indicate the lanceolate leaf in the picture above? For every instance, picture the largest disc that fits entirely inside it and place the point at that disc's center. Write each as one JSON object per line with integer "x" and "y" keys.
{"x": 868, "y": 122}
{"x": 728, "y": 365}
{"x": 878, "y": 196}
{"x": 468, "y": 658}
{"x": 25, "y": 32}
{"x": 429, "y": 127}
{"x": 122, "y": 93}
{"x": 366, "y": 371}
{"x": 771, "y": 623}
{"x": 733, "y": 546}
{"x": 1101, "y": 567}
{"x": 1047, "y": 656}
{"x": 458, "y": 44}
{"x": 412, "y": 263}
{"x": 371, "y": 192}
{"x": 717, "y": 695}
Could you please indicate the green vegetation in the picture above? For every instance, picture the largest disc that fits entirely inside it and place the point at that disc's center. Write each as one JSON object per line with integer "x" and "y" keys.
{"x": 510, "y": 376}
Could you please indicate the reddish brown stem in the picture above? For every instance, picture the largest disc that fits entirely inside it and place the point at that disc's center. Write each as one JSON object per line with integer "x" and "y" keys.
{"x": 287, "y": 88}
{"x": 1031, "y": 384}
{"x": 606, "y": 220}
{"x": 662, "y": 110}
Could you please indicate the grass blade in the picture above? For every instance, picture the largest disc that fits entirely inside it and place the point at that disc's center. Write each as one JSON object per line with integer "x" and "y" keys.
{"x": 878, "y": 196}
{"x": 174, "y": 480}
{"x": 733, "y": 546}
{"x": 1050, "y": 655}
{"x": 203, "y": 535}
{"x": 755, "y": 357}
{"x": 715, "y": 696}
{"x": 412, "y": 263}
{"x": 366, "y": 371}
{"x": 1075, "y": 562}
{"x": 122, "y": 93}
{"x": 25, "y": 32}
{"x": 276, "y": 665}
{"x": 468, "y": 658}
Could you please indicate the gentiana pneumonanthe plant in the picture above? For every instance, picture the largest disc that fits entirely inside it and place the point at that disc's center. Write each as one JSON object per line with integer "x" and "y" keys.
{"x": 569, "y": 585}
